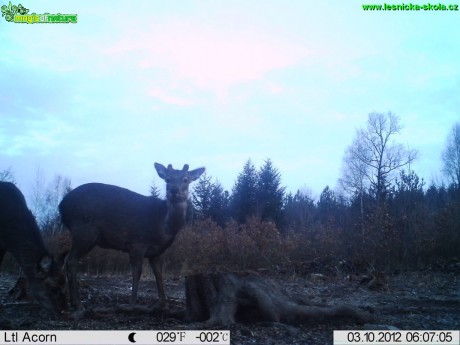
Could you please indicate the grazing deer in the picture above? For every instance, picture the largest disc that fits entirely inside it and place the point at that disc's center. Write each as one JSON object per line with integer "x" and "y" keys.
{"x": 117, "y": 218}
{"x": 19, "y": 235}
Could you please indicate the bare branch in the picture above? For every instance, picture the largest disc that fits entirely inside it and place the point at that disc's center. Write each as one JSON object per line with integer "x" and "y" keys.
{"x": 373, "y": 156}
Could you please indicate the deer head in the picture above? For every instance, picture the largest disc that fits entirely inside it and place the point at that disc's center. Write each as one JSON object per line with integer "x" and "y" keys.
{"x": 177, "y": 181}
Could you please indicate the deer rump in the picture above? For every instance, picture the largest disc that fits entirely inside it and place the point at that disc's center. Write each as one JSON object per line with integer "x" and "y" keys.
{"x": 116, "y": 218}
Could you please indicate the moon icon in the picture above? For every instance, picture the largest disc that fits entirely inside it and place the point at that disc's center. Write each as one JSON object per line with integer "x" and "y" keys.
{"x": 131, "y": 337}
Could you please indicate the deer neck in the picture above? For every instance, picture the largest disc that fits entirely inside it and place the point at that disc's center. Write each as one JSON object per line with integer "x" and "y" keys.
{"x": 175, "y": 216}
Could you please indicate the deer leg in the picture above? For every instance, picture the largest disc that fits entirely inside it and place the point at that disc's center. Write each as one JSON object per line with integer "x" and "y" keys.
{"x": 136, "y": 256}
{"x": 83, "y": 240}
{"x": 71, "y": 263}
{"x": 157, "y": 266}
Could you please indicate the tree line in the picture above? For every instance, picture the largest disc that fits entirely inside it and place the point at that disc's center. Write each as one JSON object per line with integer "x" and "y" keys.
{"x": 382, "y": 213}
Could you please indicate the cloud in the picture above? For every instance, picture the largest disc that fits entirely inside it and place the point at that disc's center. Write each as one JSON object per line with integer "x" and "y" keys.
{"x": 34, "y": 133}
{"x": 207, "y": 58}
{"x": 165, "y": 96}
{"x": 217, "y": 83}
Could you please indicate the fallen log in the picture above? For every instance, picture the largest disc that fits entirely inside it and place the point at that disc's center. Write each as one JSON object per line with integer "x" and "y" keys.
{"x": 225, "y": 298}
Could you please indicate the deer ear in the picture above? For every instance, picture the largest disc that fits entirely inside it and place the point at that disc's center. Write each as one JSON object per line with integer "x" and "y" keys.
{"x": 161, "y": 170}
{"x": 195, "y": 174}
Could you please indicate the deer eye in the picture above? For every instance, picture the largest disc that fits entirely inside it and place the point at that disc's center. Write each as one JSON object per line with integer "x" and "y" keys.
{"x": 185, "y": 179}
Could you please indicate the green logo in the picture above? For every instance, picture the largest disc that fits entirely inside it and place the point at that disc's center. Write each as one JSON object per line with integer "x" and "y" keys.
{"x": 19, "y": 14}
{"x": 9, "y": 11}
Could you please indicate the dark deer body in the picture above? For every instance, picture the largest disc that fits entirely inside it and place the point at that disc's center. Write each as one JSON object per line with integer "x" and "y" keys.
{"x": 19, "y": 235}
{"x": 117, "y": 218}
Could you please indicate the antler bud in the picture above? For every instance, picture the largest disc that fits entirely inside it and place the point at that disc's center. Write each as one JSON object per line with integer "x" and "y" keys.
{"x": 170, "y": 167}
{"x": 185, "y": 168}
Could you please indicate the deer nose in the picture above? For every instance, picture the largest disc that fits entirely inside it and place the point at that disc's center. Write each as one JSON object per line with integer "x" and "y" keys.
{"x": 174, "y": 190}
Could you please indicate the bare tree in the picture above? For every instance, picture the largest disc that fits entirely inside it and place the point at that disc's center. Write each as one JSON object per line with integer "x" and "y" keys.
{"x": 37, "y": 193}
{"x": 375, "y": 156}
{"x": 56, "y": 190}
{"x": 45, "y": 200}
{"x": 451, "y": 155}
{"x": 354, "y": 172}
{"x": 369, "y": 168}
{"x": 7, "y": 175}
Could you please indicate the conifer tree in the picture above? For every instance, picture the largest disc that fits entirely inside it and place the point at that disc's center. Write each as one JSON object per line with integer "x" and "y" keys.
{"x": 201, "y": 195}
{"x": 243, "y": 202}
{"x": 270, "y": 194}
{"x": 210, "y": 200}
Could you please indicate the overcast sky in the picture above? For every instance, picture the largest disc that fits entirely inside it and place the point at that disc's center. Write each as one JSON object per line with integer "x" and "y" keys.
{"x": 214, "y": 83}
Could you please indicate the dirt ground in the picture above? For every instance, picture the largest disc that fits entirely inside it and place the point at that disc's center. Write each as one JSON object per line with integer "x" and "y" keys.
{"x": 422, "y": 300}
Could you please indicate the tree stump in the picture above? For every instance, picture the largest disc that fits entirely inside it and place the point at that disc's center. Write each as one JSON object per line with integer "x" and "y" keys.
{"x": 221, "y": 299}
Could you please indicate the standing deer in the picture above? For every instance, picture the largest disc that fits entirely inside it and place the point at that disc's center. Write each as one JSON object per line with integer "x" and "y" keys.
{"x": 19, "y": 235}
{"x": 117, "y": 218}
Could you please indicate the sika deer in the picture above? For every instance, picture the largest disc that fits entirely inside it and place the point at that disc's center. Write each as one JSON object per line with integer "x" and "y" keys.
{"x": 117, "y": 218}
{"x": 19, "y": 235}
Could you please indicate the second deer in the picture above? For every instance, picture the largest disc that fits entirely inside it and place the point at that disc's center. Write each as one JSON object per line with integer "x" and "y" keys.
{"x": 20, "y": 235}
{"x": 117, "y": 218}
